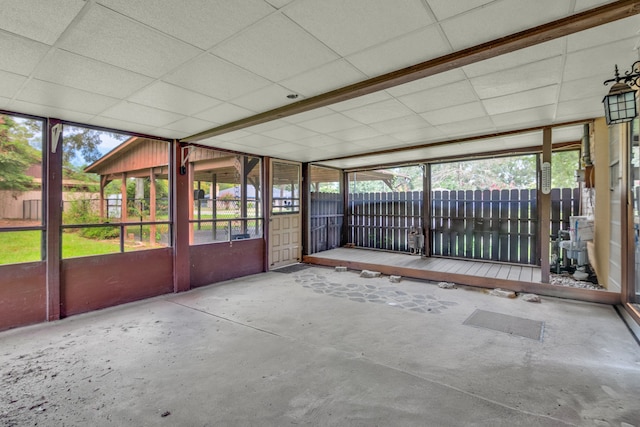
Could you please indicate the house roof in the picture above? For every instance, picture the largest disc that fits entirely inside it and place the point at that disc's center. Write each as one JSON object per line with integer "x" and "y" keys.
{"x": 411, "y": 79}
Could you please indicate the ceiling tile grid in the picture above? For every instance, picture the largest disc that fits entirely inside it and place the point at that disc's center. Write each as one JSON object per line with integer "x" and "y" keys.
{"x": 175, "y": 69}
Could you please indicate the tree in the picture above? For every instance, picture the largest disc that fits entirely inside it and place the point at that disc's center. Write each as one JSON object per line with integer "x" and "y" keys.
{"x": 16, "y": 155}
{"x": 82, "y": 145}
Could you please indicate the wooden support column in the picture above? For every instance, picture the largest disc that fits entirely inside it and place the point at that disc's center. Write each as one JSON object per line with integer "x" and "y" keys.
{"x": 123, "y": 192}
{"x": 426, "y": 207}
{"x": 182, "y": 194}
{"x": 345, "y": 202}
{"x": 53, "y": 213}
{"x": 305, "y": 208}
{"x": 244, "y": 171}
{"x": 190, "y": 176}
{"x": 103, "y": 183}
{"x": 266, "y": 203}
{"x": 152, "y": 207}
{"x": 213, "y": 198}
{"x": 544, "y": 201}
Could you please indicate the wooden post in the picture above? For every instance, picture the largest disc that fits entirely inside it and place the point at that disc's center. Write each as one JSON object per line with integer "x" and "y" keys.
{"x": 305, "y": 208}
{"x": 426, "y": 208}
{"x": 344, "y": 191}
{"x": 53, "y": 212}
{"x": 190, "y": 175}
{"x": 545, "y": 210}
{"x": 244, "y": 172}
{"x": 266, "y": 203}
{"x": 181, "y": 195}
{"x": 152, "y": 206}
{"x": 213, "y": 198}
{"x": 123, "y": 192}
{"x": 103, "y": 183}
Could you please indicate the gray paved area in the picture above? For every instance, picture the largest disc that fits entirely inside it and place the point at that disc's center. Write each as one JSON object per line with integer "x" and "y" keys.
{"x": 321, "y": 348}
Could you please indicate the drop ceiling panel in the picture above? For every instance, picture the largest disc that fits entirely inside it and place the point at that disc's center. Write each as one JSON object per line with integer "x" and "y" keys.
{"x": 190, "y": 125}
{"x": 567, "y": 134}
{"x": 264, "y": 99}
{"x": 343, "y": 27}
{"x": 20, "y": 55}
{"x": 578, "y": 109}
{"x": 318, "y": 141}
{"x": 479, "y": 126}
{"x": 275, "y": 48}
{"x": 519, "y": 79}
{"x": 499, "y": 18}
{"x": 440, "y": 97}
{"x": 378, "y": 112}
{"x": 110, "y": 37}
{"x": 456, "y": 113}
{"x": 581, "y": 64}
{"x": 331, "y": 123}
{"x": 518, "y": 58}
{"x": 49, "y": 111}
{"x": 147, "y": 116}
{"x": 356, "y": 134}
{"x": 579, "y": 89}
{"x": 192, "y": 21}
{"x": 444, "y": 9}
{"x": 378, "y": 142}
{"x": 401, "y": 124}
{"x": 309, "y": 115}
{"x": 598, "y": 36}
{"x": 361, "y": 101}
{"x": 10, "y": 83}
{"x": 42, "y": 21}
{"x": 525, "y": 118}
{"x": 224, "y": 113}
{"x": 404, "y": 51}
{"x": 291, "y": 133}
{"x": 522, "y": 100}
{"x": 421, "y": 135}
{"x": 79, "y": 72}
{"x": 52, "y": 95}
{"x": 432, "y": 82}
{"x": 215, "y": 77}
{"x": 226, "y": 138}
{"x": 278, "y": 4}
{"x": 172, "y": 69}
{"x": 173, "y": 98}
{"x": 333, "y": 75}
{"x": 124, "y": 125}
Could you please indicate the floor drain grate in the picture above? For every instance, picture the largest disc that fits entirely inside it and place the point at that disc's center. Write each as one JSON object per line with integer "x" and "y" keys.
{"x": 511, "y": 325}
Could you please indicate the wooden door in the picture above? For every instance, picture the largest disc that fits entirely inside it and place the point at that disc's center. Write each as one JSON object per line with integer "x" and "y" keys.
{"x": 285, "y": 229}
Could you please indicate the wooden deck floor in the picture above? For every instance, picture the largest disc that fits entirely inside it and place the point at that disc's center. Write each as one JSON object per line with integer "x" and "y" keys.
{"x": 518, "y": 278}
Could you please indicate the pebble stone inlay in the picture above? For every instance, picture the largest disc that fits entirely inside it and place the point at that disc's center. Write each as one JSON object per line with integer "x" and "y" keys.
{"x": 370, "y": 293}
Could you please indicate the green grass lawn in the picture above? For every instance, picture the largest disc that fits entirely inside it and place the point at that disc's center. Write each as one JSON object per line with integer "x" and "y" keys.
{"x": 24, "y": 246}
{"x": 19, "y": 246}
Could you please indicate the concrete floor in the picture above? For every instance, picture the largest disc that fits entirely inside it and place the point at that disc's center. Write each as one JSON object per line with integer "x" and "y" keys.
{"x": 280, "y": 349}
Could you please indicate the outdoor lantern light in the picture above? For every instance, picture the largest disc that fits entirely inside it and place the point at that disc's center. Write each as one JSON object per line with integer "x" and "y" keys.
{"x": 620, "y": 103}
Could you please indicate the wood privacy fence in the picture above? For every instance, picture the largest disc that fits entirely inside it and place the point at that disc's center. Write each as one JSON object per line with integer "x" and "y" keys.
{"x": 383, "y": 220}
{"x": 327, "y": 216}
{"x": 498, "y": 225}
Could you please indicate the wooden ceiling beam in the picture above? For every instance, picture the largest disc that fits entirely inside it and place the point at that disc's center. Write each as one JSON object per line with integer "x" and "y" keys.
{"x": 543, "y": 33}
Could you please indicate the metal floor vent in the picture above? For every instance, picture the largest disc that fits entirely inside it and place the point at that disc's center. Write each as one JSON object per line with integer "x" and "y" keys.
{"x": 291, "y": 268}
{"x": 511, "y": 325}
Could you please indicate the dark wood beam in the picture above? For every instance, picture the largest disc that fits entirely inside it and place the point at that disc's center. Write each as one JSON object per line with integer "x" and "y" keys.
{"x": 543, "y": 33}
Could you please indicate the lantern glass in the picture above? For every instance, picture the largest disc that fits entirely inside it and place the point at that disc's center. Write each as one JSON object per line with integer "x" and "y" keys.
{"x": 620, "y": 104}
